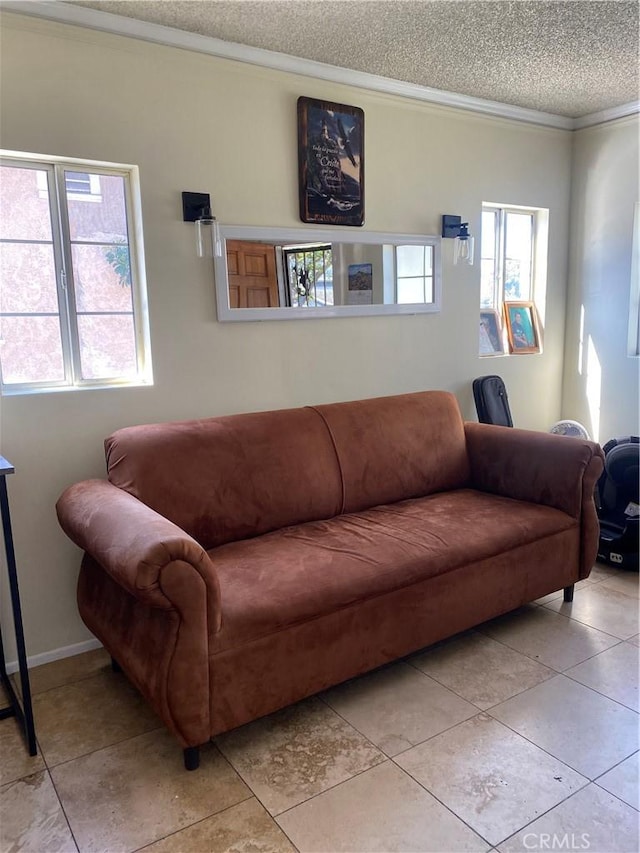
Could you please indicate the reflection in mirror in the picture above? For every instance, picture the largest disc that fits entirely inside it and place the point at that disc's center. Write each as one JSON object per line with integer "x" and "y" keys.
{"x": 272, "y": 273}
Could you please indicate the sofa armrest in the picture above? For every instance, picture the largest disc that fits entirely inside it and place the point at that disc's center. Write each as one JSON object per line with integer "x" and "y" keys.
{"x": 540, "y": 467}
{"x": 554, "y": 470}
{"x": 134, "y": 544}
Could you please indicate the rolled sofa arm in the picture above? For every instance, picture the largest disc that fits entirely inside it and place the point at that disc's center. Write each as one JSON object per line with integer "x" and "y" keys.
{"x": 554, "y": 470}
{"x": 133, "y": 543}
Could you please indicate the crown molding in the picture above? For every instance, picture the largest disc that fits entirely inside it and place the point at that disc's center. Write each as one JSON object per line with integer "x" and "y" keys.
{"x": 604, "y": 116}
{"x": 54, "y": 10}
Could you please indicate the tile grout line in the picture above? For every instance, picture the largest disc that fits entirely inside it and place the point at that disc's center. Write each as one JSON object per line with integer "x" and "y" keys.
{"x": 438, "y": 800}
{"x": 190, "y": 825}
{"x": 161, "y": 727}
{"x": 580, "y": 622}
{"x": 253, "y": 793}
{"x": 64, "y": 812}
{"x": 618, "y": 640}
{"x": 587, "y": 779}
{"x": 622, "y": 760}
{"x": 387, "y": 760}
{"x": 599, "y": 692}
{"x": 555, "y": 757}
{"x": 391, "y": 758}
{"x": 552, "y": 674}
{"x": 587, "y": 782}
{"x": 51, "y": 767}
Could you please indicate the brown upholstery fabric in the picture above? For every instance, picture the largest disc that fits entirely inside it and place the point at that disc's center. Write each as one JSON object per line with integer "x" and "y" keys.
{"x": 556, "y": 470}
{"x": 163, "y": 652}
{"x": 501, "y": 462}
{"x": 281, "y": 668}
{"x": 302, "y": 572}
{"x": 589, "y": 523}
{"x": 228, "y": 478}
{"x": 132, "y": 542}
{"x": 392, "y": 448}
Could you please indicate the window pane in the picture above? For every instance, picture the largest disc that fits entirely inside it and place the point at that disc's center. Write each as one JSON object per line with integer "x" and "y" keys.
{"x": 28, "y": 278}
{"x": 24, "y": 204}
{"x": 99, "y": 218}
{"x": 489, "y": 234}
{"x": 77, "y": 182}
{"x": 324, "y": 290}
{"x": 310, "y": 276}
{"x": 488, "y": 266}
{"x": 487, "y": 283}
{"x": 410, "y": 261}
{"x": 428, "y": 260}
{"x": 31, "y": 349}
{"x": 107, "y": 346}
{"x": 102, "y": 277}
{"x": 518, "y": 244}
{"x": 410, "y": 290}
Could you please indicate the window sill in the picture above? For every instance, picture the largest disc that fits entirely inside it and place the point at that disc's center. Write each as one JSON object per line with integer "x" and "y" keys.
{"x": 23, "y": 391}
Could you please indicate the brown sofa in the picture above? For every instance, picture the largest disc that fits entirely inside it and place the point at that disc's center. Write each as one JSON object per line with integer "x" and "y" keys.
{"x": 235, "y": 565}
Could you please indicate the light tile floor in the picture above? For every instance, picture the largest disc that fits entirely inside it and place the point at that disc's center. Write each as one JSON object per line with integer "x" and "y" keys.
{"x": 519, "y": 735}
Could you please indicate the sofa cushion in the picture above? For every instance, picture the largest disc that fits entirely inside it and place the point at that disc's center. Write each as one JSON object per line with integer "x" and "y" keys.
{"x": 299, "y": 573}
{"x": 228, "y": 478}
{"x": 393, "y": 448}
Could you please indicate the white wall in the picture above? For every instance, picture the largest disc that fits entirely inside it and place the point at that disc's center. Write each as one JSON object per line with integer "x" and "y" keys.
{"x": 600, "y": 378}
{"x": 192, "y": 122}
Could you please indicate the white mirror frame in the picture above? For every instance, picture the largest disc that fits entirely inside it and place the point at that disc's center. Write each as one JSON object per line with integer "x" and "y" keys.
{"x": 283, "y": 236}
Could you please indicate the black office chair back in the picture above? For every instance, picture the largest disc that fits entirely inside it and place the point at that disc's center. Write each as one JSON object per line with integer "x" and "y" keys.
{"x": 492, "y": 402}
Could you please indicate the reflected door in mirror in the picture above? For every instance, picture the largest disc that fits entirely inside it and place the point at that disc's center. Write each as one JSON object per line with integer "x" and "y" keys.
{"x": 253, "y": 282}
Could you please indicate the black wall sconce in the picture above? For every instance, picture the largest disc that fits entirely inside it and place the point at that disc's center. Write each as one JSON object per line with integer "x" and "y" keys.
{"x": 453, "y": 226}
{"x": 196, "y": 207}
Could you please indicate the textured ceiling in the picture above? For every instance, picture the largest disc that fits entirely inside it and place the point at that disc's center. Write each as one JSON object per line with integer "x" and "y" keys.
{"x": 569, "y": 58}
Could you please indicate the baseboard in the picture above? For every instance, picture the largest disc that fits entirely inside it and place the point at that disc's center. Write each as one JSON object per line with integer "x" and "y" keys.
{"x": 56, "y": 654}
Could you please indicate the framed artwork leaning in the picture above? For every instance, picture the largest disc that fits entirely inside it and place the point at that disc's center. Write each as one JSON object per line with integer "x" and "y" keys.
{"x": 521, "y": 322}
{"x": 491, "y": 342}
{"x": 330, "y": 162}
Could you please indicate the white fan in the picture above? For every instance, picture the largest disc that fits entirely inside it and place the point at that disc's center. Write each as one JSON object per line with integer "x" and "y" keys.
{"x": 572, "y": 428}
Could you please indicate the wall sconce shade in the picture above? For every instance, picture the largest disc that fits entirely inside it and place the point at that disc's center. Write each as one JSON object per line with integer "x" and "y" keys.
{"x": 196, "y": 207}
{"x": 453, "y": 226}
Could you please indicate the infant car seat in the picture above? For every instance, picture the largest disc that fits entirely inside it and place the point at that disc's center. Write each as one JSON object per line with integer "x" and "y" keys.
{"x": 617, "y": 500}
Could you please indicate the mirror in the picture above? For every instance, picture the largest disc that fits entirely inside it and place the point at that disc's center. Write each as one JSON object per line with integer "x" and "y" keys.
{"x": 300, "y": 273}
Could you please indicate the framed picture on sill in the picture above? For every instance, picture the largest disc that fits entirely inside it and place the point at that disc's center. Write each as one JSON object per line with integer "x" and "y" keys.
{"x": 490, "y": 333}
{"x": 330, "y": 162}
{"x": 522, "y": 327}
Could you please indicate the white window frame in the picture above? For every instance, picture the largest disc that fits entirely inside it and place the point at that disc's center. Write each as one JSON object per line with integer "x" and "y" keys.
{"x": 634, "y": 297}
{"x": 54, "y": 167}
{"x": 539, "y": 257}
{"x": 427, "y": 280}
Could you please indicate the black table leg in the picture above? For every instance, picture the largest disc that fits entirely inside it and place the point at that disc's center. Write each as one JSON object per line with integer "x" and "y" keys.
{"x": 22, "y": 711}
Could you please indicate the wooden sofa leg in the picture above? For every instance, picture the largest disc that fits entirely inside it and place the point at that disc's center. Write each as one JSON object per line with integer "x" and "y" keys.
{"x": 115, "y": 666}
{"x": 568, "y": 592}
{"x": 191, "y": 757}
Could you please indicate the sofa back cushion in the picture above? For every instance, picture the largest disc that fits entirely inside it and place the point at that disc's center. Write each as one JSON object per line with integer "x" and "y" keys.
{"x": 228, "y": 478}
{"x": 393, "y": 448}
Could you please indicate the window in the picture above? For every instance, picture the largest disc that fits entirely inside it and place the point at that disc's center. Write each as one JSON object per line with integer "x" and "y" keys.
{"x": 309, "y": 275}
{"x": 80, "y": 186}
{"x": 414, "y": 274}
{"x": 513, "y": 256}
{"x": 72, "y": 302}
